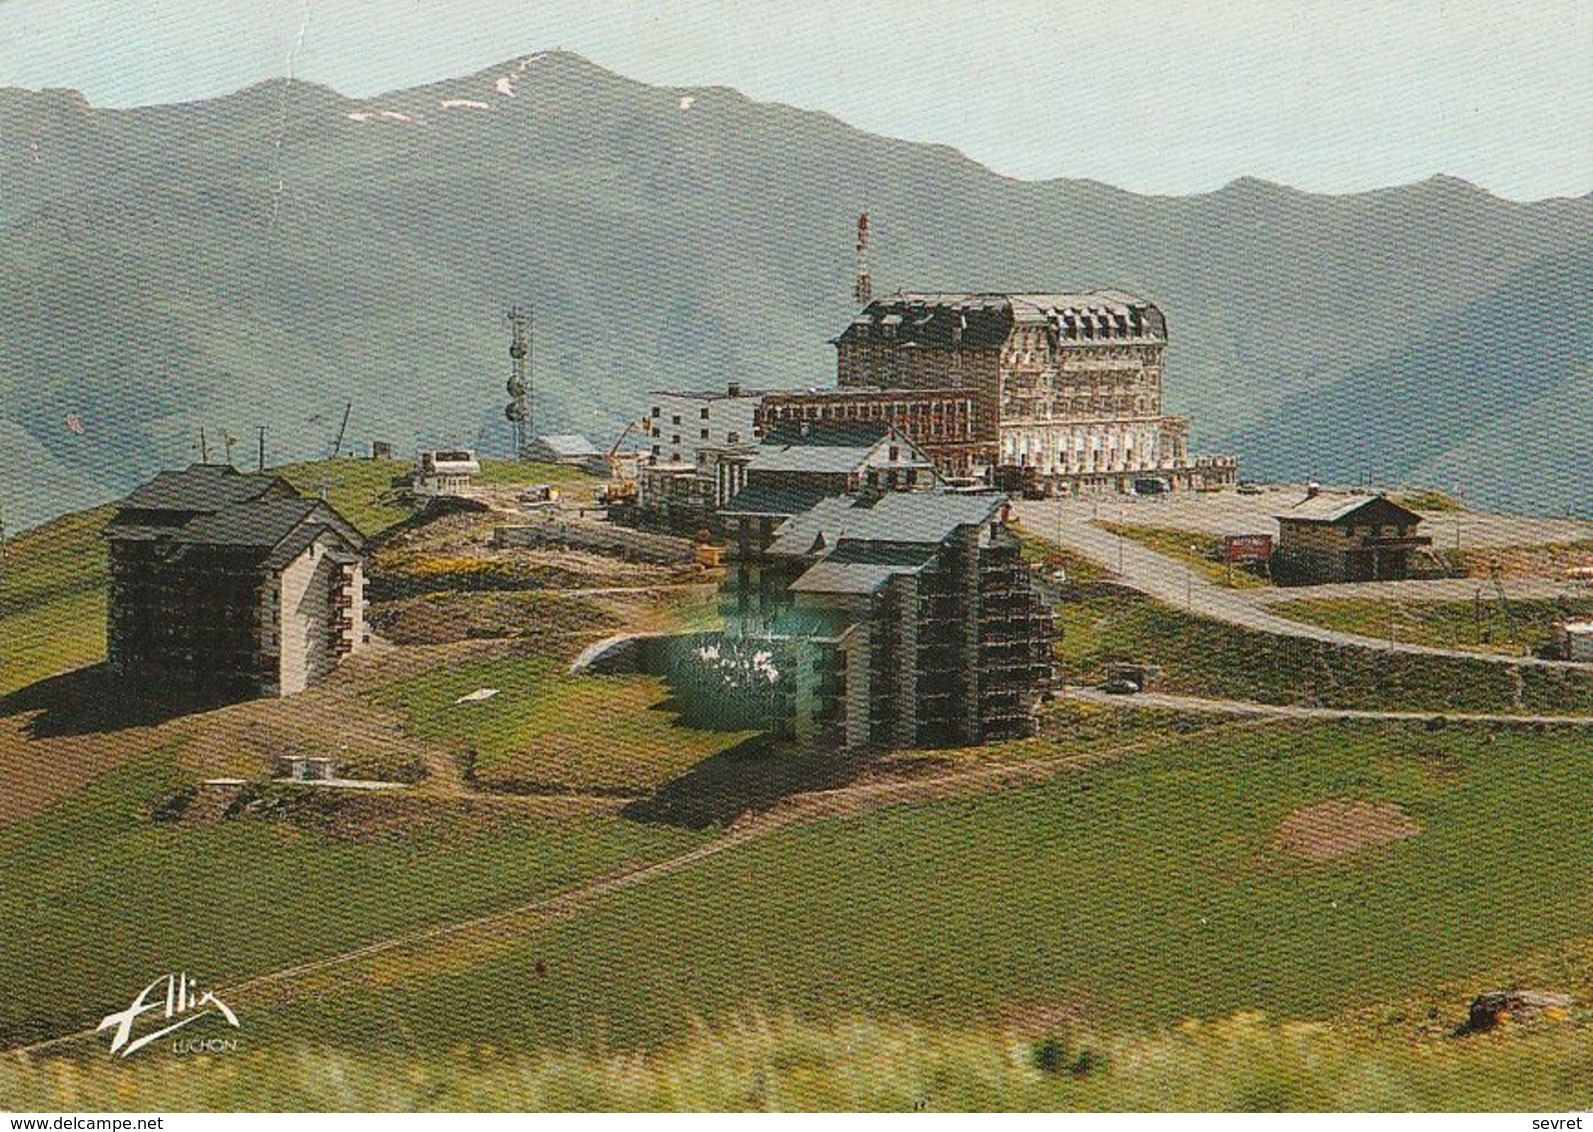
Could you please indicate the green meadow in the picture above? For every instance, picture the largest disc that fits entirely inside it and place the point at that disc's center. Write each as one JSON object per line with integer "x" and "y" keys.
{"x": 1135, "y": 894}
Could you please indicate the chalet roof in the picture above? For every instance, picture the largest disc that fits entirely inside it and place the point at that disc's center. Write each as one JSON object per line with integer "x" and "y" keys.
{"x": 921, "y": 518}
{"x": 828, "y": 448}
{"x": 863, "y": 545}
{"x": 827, "y": 577}
{"x": 208, "y": 506}
{"x": 263, "y": 522}
{"x": 204, "y": 487}
{"x": 1335, "y": 508}
{"x": 775, "y": 500}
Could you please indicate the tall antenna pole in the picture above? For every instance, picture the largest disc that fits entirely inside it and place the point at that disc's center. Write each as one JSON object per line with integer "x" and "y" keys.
{"x": 863, "y": 292}
{"x": 518, "y": 411}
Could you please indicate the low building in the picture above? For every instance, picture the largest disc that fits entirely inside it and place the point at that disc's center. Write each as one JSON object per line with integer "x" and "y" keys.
{"x": 1575, "y": 640}
{"x": 903, "y": 619}
{"x": 444, "y": 471}
{"x": 1347, "y": 538}
{"x": 569, "y": 449}
{"x": 228, "y": 584}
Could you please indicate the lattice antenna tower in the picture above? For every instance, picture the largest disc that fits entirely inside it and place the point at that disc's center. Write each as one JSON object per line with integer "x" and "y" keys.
{"x": 863, "y": 290}
{"x": 518, "y": 411}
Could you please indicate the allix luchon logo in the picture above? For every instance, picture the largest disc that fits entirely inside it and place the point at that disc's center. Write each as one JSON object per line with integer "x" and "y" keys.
{"x": 172, "y": 999}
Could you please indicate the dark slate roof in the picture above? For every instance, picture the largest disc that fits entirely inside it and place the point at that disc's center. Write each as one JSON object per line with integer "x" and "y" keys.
{"x": 779, "y": 500}
{"x": 867, "y": 545}
{"x": 204, "y": 487}
{"x": 262, "y": 523}
{"x": 921, "y": 518}
{"x": 941, "y": 320}
{"x": 211, "y": 506}
{"x": 829, "y": 448}
{"x": 810, "y": 459}
{"x": 826, "y": 577}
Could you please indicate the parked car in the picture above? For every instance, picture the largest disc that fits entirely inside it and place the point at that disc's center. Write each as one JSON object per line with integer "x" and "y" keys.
{"x": 1120, "y": 686}
{"x": 1249, "y": 487}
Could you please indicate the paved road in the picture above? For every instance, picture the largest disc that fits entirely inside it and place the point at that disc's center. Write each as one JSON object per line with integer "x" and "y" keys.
{"x": 1288, "y": 711}
{"x": 1177, "y": 585}
{"x": 1423, "y": 589}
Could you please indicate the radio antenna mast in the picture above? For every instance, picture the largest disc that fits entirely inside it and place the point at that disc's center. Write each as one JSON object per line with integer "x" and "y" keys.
{"x": 518, "y": 411}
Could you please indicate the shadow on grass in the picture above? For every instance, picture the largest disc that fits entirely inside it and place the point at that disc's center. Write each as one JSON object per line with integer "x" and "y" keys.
{"x": 753, "y": 775}
{"x": 94, "y": 700}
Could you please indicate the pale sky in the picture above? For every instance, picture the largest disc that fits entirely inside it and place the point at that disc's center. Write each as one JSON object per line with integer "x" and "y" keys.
{"x": 1156, "y": 96}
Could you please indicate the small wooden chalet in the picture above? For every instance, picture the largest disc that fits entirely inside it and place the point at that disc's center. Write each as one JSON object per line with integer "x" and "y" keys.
{"x": 1347, "y": 538}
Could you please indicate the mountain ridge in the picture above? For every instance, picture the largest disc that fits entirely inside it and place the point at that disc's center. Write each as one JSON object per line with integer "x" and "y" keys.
{"x": 246, "y": 260}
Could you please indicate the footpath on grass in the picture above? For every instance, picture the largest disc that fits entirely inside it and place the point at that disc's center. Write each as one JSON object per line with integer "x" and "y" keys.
{"x": 1167, "y": 701}
{"x": 809, "y": 806}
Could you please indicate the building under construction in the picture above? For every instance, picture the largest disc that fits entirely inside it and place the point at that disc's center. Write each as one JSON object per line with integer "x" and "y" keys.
{"x": 231, "y": 585}
{"x": 902, "y": 619}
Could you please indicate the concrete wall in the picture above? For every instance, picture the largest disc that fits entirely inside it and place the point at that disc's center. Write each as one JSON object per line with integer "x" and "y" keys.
{"x": 304, "y": 593}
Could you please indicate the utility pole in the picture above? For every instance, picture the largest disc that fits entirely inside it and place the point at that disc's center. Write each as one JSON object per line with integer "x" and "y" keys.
{"x": 337, "y": 445}
{"x": 204, "y": 448}
{"x": 228, "y": 440}
{"x": 260, "y": 458}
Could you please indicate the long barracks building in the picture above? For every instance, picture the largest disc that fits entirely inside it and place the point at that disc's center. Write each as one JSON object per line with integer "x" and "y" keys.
{"x": 1065, "y": 389}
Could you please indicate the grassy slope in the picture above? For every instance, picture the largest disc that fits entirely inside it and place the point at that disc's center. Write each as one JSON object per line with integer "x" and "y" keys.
{"x": 52, "y": 599}
{"x": 1145, "y": 892}
{"x": 128, "y": 898}
{"x": 1210, "y": 658}
{"x": 1242, "y": 1063}
{"x": 1190, "y": 549}
{"x": 549, "y": 730}
{"x": 1477, "y": 625}
{"x": 125, "y": 899}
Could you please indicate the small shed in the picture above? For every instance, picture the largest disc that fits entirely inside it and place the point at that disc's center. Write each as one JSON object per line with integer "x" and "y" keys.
{"x": 305, "y": 768}
{"x": 569, "y": 448}
{"x": 1347, "y": 538}
{"x": 1575, "y": 639}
